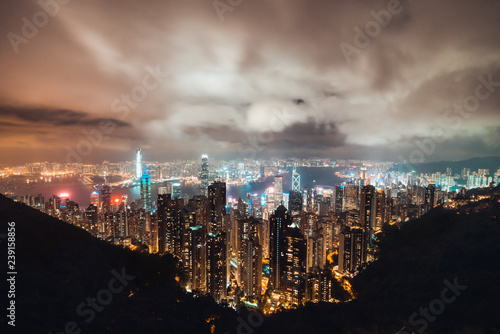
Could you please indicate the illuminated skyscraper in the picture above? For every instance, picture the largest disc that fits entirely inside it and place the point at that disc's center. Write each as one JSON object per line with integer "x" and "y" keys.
{"x": 352, "y": 249}
{"x": 350, "y": 197}
{"x": 339, "y": 198}
{"x": 278, "y": 223}
{"x": 163, "y": 190}
{"x": 216, "y": 266}
{"x": 197, "y": 258}
{"x": 249, "y": 256}
{"x": 91, "y": 216}
{"x": 278, "y": 191}
{"x": 146, "y": 192}
{"x": 162, "y": 207}
{"x": 380, "y": 210}
{"x": 295, "y": 201}
{"x": 429, "y": 195}
{"x": 217, "y": 205}
{"x": 295, "y": 181}
{"x": 176, "y": 190}
{"x": 204, "y": 175}
{"x": 367, "y": 213}
{"x": 94, "y": 199}
{"x": 293, "y": 259}
{"x": 362, "y": 176}
{"x": 138, "y": 163}
{"x": 106, "y": 198}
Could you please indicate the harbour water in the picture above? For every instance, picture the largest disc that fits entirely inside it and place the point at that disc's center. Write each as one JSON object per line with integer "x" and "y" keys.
{"x": 310, "y": 177}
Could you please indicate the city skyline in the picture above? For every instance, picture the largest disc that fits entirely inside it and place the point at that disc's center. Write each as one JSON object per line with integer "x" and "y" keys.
{"x": 236, "y": 166}
{"x": 384, "y": 80}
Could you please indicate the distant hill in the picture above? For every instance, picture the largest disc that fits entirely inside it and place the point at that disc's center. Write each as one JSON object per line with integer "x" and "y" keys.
{"x": 414, "y": 263}
{"x": 491, "y": 163}
{"x": 59, "y": 266}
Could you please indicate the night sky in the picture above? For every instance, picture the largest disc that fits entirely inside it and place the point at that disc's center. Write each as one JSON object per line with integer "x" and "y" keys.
{"x": 251, "y": 79}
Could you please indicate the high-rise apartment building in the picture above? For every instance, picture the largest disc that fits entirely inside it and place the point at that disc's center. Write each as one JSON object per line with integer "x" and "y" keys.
{"x": 204, "y": 175}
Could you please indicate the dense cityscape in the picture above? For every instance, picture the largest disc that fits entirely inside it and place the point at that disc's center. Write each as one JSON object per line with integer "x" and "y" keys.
{"x": 250, "y": 167}
{"x": 274, "y": 250}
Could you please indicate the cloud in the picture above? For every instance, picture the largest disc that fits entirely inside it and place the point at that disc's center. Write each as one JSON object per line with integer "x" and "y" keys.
{"x": 227, "y": 79}
{"x": 60, "y": 118}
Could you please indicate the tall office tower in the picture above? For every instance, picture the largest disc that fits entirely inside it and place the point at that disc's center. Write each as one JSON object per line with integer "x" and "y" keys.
{"x": 308, "y": 223}
{"x": 122, "y": 222}
{"x": 94, "y": 198}
{"x": 138, "y": 163}
{"x": 295, "y": 180}
{"x": 106, "y": 198}
{"x": 188, "y": 220}
{"x": 153, "y": 235}
{"x": 278, "y": 223}
{"x": 278, "y": 191}
{"x": 295, "y": 202}
{"x": 217, "y": 205}
{"x": 109, "y": 225}
{"x": 204, "y": 175}
{"x": 294, "y": 262}
{"x": 241, "y": 208}
{"x": 388, "y": 209}
{"x": 197, "y": 258}
{"x": 176, "y": 190}
{"x": 350, "y": 197}
{"x": 316, "y": 251}
{"x": 251, "y": 272}
{"x": 162, "y": 207}
{"x": 249, "y": 255}
{"x": 40, "y": 202}
{"x": 319, "y": 286}
{"x": 91, "y": 217}
{"x": 352, "y": 249}
{"x": 163, "y": 191}
{"x": 216, "y": 265}
{"x": 352, "y": 218}
{"x": 429, "y": 195}
{"x": 379, "y": 210}
{"x": 199, "y": 206}
{"x": 175, "y": 226}
{"x": 367, "y": 213}
{"x": 269, "y": 200}
{"x": 362, "y": 176}
{"x": 146, "y": 202}
{"x": 339, "y": 199}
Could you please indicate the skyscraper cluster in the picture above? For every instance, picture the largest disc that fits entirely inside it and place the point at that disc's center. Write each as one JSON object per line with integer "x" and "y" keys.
{"x": 278, "y": 249}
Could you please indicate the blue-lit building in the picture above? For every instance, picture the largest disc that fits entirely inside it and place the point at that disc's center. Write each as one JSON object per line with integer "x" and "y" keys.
{"x": 146, "y": 192}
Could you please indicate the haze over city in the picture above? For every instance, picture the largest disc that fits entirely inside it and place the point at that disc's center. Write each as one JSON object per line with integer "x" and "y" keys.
{"x": 342, "y": 79}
